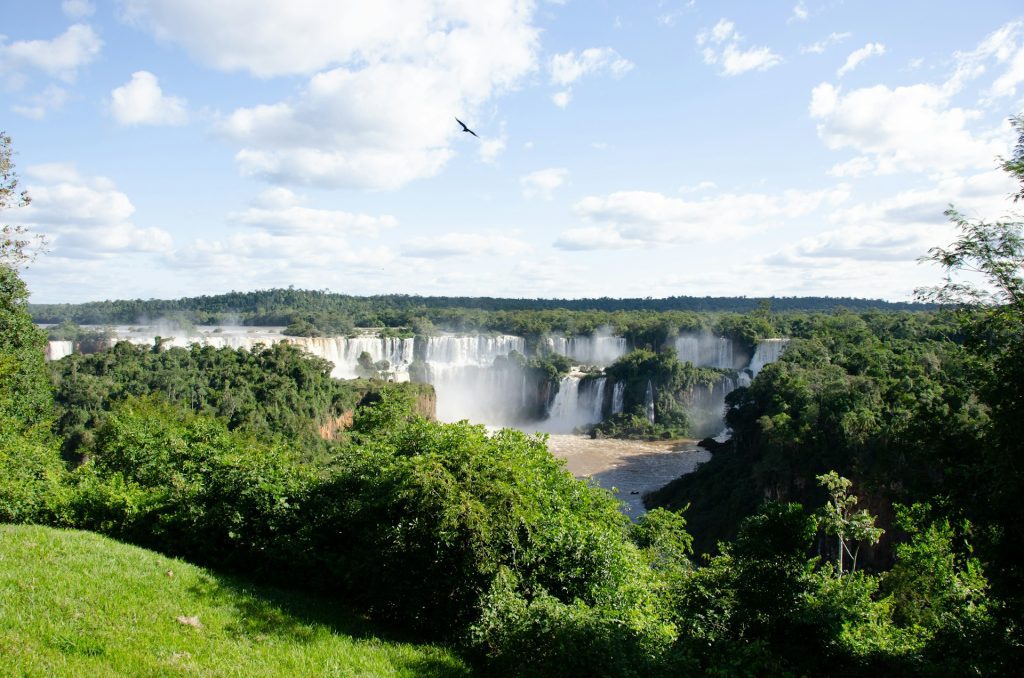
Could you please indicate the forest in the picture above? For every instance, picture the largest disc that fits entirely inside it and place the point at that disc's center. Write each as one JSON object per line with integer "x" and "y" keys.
{"x": 863, "y": 518}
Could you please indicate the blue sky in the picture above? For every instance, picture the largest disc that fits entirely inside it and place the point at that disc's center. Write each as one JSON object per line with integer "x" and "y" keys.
{"x": 184, "y": 147}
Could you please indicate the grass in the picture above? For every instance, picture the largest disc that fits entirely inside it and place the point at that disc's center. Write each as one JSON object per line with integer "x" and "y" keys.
{"x": 78, "y": 604}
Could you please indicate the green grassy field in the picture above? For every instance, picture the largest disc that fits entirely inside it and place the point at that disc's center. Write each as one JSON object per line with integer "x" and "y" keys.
{"x": 79, "y": 604}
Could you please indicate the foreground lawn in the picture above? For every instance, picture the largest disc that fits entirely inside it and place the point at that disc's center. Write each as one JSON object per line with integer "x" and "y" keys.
{"x": 78, "y": 604}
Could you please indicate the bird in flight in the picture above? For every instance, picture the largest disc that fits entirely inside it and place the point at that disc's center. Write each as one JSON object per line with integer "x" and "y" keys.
{"x": 466, "y": 129}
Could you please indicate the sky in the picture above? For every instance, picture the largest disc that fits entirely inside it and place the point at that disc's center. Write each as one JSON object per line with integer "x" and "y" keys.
{"x": 626, "y": 149}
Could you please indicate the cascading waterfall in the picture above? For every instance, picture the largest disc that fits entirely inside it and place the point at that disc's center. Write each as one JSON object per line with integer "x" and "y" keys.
{"x": 649, "y": 401}
{"x": 470, "y": 385}
{"x": 578, "y": 403}
{"x": 598, "y": 349}
{"x": 768, "y": 351}
{"x": 597, "y": 404}
{"x": 55, "y": 350}
{"x": 619, "y": 397}
{"x": 706, "y": 350}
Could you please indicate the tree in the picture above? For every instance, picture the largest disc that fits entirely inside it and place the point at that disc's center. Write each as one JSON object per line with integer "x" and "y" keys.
{"x": 838, "y": 518}
{"x": 15, "y": 243}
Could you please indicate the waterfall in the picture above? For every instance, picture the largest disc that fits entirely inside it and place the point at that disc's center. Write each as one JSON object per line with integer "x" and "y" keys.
{"x": 618, "y": 397}
{"x": 768, "y": 351}
{"x": 597, "y": 349}
{"x": 649, "y": 401}
{"x": 55, "y": 350}
{"x": 706, "y": 350}
{"x": 578, "y": 403}
{"x": 597, "y": 406}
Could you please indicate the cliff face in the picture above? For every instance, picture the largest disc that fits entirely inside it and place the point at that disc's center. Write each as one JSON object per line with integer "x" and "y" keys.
{"x": 423, "y": 401}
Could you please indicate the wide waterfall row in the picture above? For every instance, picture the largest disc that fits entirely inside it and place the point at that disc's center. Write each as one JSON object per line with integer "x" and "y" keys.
{"x": 471, "y": 385}
{"x": 590, "y": 350}
{"x": 707, "y": 350}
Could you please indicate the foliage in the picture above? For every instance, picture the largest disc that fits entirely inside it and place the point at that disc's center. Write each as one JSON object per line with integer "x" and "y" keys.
{"x": 277, "y": 391}
{"x": 16, "y": 245}
{"x": 674, "y": 387}
{"x": 839, "y": 519}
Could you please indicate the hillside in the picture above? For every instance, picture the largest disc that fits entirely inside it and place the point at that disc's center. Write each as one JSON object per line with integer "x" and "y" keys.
{"x": 78, "y": 604}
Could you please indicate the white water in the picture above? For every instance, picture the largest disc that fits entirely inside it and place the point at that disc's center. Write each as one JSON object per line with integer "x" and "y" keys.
{"x": 55, "y": 350}
{"x": 577, "y": 404}
{"x": 618, "y": 397}
{"x": 768, "y": 351}
{"x": 649, "y": 401}
{"x": 707, "y": 350}
{"x": 461, "y": 368}
{"x": 599, "y": 349}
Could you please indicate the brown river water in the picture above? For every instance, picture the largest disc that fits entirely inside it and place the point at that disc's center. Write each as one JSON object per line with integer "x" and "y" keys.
{"x": 630, "y": 467}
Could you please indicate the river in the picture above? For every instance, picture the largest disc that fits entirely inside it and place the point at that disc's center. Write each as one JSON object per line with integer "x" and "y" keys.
{"x": 633, "y": 467}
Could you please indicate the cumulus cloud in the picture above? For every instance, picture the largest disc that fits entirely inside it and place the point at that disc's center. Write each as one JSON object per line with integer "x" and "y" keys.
{"x": 900, "y": 227}
{"x": 722, "y": 45}
{"x": 800, "y": 12}
{"x": 911, "y": 128}
{"x": 277, "y": 233}
{"x": 857, "y": 56}
{"x": 542, "y": 183}
{"x": 140, "y": 101}
{"x": 561, "y": 99}
{"x": 385, "y": 79}
{"x": 85, "y": 217}
{"x": 642, "y": 218}
{"x": 60, "y": 57}
{"x": 464, "y": 245}
{"x": 278, "y": 212}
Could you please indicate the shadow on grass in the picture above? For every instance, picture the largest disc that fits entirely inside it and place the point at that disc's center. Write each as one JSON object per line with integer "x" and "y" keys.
{"x": 270, "y": 611}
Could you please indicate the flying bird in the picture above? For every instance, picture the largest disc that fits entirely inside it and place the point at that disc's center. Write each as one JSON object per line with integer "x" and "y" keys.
{"x": 466, "y": 129}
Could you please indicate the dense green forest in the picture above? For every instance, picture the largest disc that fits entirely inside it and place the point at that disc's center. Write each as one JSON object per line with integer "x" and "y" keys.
{"x": 317, "y": 313}
{"x": 865, "y": 517}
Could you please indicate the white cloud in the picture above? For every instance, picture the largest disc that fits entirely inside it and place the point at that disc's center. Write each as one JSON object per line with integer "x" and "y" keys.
{"x": 912, "y": 128}
{"x": 464, "y": 245}
{"x": 722, "y": 45}
{"x": 820, "y": 46}
{"x": 140, "y": 101}
{"x": 736, "y": 61}
{"x": 77, "y": 9}
{"x": 857, "y": 56}
{"x": 800, "y": 12}
{"x": 381, "y": 115}
{"x": 542, "y": 183}
{"x": 37, "y": 106}
{"x": 60, "y": 57}
{"x": 492, "y": 147}
{"x": 277, "y": 236}
{"x": 901, "y": 227}
{"x": 569, "y": 67}
{"x": 85, "y": 218}
{"x": 277, "y": 212}
{"x": 700, "y": 187}
{"x": 642, "y": 218}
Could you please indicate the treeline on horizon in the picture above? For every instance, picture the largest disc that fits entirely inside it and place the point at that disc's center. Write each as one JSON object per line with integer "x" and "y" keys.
{"x": 390, "y": 310}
